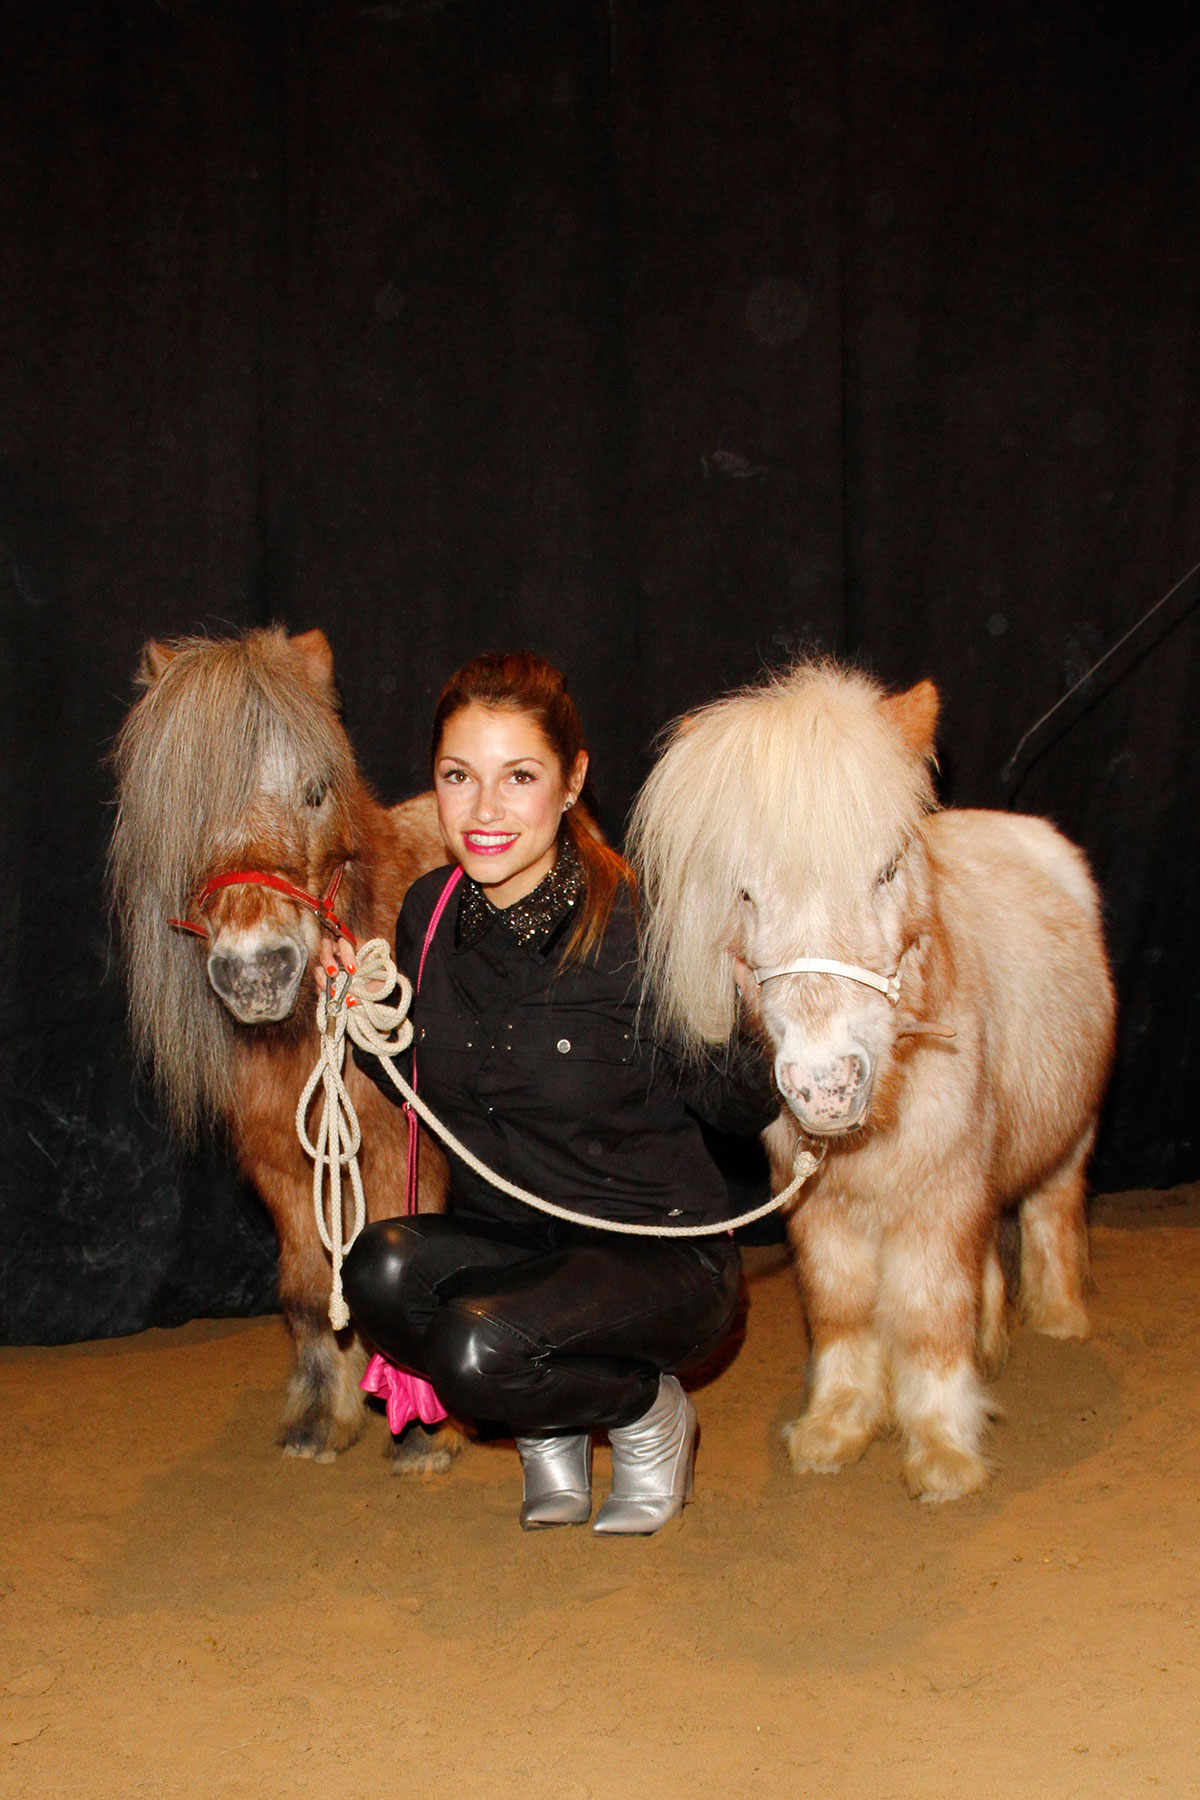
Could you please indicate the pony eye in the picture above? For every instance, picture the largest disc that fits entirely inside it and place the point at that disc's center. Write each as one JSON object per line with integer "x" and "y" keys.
{"x": 315, "y": 792}
{"x": 745, "y": 894}
{"x": 888, "y": 872}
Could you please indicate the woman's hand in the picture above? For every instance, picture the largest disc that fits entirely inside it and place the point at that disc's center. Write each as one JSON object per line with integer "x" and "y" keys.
{"x": 743, "y": 975}
{"x": 345, "y": 952}
{"x": 342, "y": 951}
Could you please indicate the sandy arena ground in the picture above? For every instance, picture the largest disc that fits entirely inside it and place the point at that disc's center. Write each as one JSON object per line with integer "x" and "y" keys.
{"x": 185, "y": 1613}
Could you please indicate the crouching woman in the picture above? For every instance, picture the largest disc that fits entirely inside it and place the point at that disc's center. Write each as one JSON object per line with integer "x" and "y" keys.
{"x": 531, "y": 1046}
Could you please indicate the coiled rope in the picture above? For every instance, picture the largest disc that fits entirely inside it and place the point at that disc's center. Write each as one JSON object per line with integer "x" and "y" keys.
{"x": 385, "y": 1031}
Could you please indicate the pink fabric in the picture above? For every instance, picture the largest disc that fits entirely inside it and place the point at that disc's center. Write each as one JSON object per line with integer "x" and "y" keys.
{"x": 407, "y": 1397}
{"x": 414, "y": 1129}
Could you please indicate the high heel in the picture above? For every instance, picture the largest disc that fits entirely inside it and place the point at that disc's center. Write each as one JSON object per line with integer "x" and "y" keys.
{"x": 652, "y": 1463}
{"x": 558, "y": 1481}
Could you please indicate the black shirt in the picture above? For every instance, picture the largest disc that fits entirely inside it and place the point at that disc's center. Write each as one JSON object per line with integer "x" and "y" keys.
{"x": 545, "y": 1073}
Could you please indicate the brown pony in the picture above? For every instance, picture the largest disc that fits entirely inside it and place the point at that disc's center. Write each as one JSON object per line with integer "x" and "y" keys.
{"x": 235, "y": 758}
{"x": 951, "y": 1061}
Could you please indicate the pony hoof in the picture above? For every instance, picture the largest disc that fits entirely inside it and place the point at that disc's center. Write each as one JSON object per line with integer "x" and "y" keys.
{"x": 421, "y": 1452}
{"x": 310, "y": 1452}
{"x": 1067, "y": 1319}
{"x": 819, "y": 1447}
{"x": 937, "y": 1474}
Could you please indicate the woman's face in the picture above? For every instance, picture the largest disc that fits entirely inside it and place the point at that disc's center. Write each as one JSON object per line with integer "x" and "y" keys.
{"x": 500, "y": 796}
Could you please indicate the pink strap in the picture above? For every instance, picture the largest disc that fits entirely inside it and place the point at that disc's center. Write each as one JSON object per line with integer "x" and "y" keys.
{"x": 414, "y": 1124}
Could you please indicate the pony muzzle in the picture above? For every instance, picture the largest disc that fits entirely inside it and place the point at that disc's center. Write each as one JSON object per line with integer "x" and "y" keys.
{"x": 830, "y": 1098}
{"x": 259, "y": 985}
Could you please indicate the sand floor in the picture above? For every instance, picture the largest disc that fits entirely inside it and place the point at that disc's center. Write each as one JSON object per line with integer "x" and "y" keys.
{"x": 183, "y": 1612}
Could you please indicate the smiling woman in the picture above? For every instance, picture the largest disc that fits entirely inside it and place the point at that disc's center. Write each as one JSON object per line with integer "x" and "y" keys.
{"x": 501, "y": 797}
{"x": 527, "y": 1032}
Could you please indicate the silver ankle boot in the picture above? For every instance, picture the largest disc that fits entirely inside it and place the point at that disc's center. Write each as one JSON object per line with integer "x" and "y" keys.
{"x": 558, "y": 1480}
{"x": 652, "y": 1466}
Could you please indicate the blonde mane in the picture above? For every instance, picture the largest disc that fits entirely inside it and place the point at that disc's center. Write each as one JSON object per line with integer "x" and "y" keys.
{"x": 225, "y": 721}
{"x": 804, "y": 779}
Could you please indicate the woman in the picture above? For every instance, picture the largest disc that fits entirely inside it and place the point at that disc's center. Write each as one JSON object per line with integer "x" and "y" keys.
{"x": 527, "y": 1045}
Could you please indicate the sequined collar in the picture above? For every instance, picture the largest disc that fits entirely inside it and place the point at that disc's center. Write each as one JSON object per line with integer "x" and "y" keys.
{"x": 532, "y": 921}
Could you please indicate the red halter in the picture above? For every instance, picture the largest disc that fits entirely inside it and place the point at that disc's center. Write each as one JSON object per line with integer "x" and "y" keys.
{"x": 261, "y": 878}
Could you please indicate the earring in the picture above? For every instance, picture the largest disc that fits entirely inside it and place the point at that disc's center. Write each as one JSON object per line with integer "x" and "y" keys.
{"x": 568, "y": 805}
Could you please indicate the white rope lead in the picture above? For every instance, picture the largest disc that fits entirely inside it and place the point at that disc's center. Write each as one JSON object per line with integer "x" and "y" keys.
{"x": 371, "y": 1023}
{"x": 339, "y": 1139}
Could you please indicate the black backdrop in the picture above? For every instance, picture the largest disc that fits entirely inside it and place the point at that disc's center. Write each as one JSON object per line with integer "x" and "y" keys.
{"x": 664, "y": 338}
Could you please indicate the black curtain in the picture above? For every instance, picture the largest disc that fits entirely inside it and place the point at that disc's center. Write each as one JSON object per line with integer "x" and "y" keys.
{"x": 666, "y": 339}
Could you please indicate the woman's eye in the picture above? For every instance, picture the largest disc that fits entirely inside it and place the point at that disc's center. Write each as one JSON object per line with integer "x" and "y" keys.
{"x": 454, "y": 775}
{"x": 315, "y": 792}
{"x": 524, "y": 776}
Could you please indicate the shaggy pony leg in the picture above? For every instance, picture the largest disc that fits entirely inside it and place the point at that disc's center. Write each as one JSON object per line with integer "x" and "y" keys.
{"x": 838, "y": 1271}
{"x": 931, "y": 1313}
{"x": 324, "y": 1411}
{"x": 993, "y": 1316}
{"x": 426, "y": 1450}
{"x": 1054, "y": 1250}
{"x": 847, "y": 1406}
{"x": 943, "y": 1414}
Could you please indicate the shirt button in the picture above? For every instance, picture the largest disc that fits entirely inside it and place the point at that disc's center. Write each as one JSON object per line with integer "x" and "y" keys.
{"x": 563, "y": 1045}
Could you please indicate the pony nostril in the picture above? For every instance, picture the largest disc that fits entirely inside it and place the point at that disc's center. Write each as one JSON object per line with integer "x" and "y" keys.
{"x": 221, "y": 974}
{"x": 279, "y": 965}
{"x": 791, "y": 1081}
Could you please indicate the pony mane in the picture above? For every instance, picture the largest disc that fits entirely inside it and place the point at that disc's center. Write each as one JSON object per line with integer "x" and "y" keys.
{"x": 225, "y": 720}
{"x": 803, "y": 779}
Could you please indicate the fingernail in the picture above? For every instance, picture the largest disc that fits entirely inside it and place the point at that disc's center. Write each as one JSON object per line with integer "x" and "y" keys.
{"x": 331, "y": 968}
{"x": 351, "y": 967}
{"x": 352, "y": 1001}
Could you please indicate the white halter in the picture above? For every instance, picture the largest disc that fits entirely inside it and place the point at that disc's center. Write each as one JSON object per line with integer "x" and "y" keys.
{"x": 887, "y": 985}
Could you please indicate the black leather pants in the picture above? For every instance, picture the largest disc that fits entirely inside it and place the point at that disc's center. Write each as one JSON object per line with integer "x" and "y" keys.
{"x": 555, "y": 1329}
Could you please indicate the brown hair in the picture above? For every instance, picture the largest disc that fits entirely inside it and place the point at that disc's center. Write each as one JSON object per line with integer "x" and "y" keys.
{"x": 520, "y": 682}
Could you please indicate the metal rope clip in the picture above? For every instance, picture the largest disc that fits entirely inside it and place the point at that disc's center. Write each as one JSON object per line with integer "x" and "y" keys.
{"x": 336, "y": 987}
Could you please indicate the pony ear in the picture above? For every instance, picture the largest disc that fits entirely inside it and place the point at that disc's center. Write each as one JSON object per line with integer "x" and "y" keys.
{"x": 914, "y": 714}
{"x": 155, "y": 659}
{"x": 311, "y": 648}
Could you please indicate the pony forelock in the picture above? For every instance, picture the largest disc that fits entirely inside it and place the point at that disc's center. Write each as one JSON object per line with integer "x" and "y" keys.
{"x": 798, "y": 781}
{"x": 226, "y": 721}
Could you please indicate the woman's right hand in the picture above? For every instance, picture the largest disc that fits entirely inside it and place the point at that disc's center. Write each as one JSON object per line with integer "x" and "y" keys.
{"x": 743, "y": 976}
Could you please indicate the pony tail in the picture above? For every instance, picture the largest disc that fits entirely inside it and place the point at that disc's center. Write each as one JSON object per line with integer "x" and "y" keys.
{"x": 605, "y": 871}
